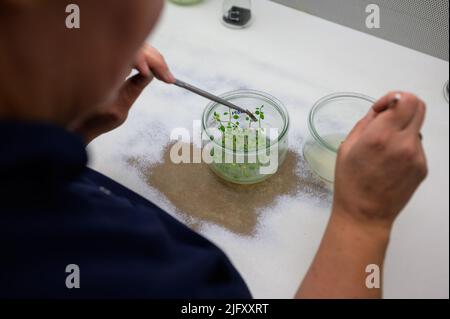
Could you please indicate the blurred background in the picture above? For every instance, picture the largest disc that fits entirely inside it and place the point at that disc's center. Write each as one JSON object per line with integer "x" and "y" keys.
{"x": 417, "y": 24}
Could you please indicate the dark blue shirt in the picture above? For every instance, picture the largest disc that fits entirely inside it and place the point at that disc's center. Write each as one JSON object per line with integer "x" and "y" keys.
{"x": 54, "y": 211}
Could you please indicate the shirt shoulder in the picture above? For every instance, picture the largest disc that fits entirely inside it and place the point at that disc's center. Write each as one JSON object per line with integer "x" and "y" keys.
{"x": 124, "y": 246}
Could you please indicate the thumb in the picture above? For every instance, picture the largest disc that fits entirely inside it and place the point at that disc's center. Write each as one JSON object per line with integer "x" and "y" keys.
{"x": 142, "y": 66}
{"x": 132, "y": 89}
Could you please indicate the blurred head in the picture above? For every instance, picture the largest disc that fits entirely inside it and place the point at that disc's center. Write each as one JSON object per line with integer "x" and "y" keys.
{"x": 51, "y": 73}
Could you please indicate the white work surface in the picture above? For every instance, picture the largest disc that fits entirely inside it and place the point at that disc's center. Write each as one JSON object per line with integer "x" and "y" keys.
{"x": 297, "y": 58}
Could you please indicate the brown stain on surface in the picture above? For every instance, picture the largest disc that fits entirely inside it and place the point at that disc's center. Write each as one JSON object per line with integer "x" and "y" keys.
{"x": 204, "y": 197}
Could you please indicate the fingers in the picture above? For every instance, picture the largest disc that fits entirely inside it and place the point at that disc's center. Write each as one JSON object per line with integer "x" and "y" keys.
{"x": 417, "y": 122}
{"x": 422, "y": 160}
{"x": 386, "y": 101}
{"x": 160, "y": 68}
{"x": 400, "y": 114}
{"x": 150, "y": 59}
{"x": 142, "y": 66}
{"x": 413, "y": 132}
{"x": 413, "y": 150}
{"x": 131, "y": 90}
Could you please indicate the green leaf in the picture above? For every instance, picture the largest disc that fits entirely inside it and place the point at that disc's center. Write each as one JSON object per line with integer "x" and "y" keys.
{"x": 236, "y": 117}
{"x": 262, "y": 116}
{"x": 247, "y": 118}
{"x": 222, "y": 128}
{"x": 257, "y": 112}
{"x": 225, "y": 113}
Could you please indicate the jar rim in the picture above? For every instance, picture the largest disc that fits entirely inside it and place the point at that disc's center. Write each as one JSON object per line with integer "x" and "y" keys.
{"x": 279, "y": 106}
{"x": 320, "y": 103}
{"x": 446, "y": 92}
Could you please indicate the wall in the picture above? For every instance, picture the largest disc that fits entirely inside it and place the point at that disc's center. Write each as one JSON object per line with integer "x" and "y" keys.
{"x": 418, "y": 24}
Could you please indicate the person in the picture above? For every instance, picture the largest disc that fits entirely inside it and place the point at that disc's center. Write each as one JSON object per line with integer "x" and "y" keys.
{"x": 61, "y": 88}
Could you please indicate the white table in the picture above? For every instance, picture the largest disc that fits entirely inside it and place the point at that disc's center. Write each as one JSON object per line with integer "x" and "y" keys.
{"x": 298, "y": 58}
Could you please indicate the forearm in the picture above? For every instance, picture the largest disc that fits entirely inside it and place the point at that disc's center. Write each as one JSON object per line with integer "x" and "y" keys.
{"x": 339, "y": 268}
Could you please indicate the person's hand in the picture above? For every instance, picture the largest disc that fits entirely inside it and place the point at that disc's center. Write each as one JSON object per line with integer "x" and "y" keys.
{"x": 382, "y": 162}
{"x": 379, "y": 166}
{"x": 149, "y": 62}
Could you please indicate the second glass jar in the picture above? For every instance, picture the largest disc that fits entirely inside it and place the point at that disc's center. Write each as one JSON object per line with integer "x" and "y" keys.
{"x": 330, "y": 121}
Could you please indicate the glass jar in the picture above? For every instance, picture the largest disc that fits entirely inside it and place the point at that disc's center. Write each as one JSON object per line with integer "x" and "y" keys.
{"x": 237, "y": 13}
{"x": 446, "y": 93}
{"x": 330, "y": 121}
{"x": 185, "y": 2}
{"x": 243, "y": 151}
